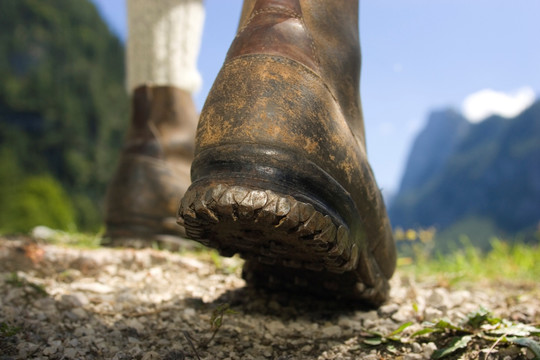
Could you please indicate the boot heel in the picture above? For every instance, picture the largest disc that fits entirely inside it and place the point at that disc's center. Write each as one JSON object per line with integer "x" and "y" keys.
{"x": 287, "y": 243}
{"x": 270, "y": 227}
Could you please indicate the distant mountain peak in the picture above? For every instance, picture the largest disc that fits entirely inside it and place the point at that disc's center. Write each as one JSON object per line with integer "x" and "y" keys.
{"x": 458, "y": 170}
{"x": 433, "y": 145}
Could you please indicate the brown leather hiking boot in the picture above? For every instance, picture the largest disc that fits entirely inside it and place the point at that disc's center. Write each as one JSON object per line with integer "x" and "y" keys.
{"x": 153, "y": 171}
{"x": 280, "y": 173}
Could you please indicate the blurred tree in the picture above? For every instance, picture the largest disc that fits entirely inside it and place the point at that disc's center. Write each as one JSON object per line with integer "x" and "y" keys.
{"x": 63, "y": 107}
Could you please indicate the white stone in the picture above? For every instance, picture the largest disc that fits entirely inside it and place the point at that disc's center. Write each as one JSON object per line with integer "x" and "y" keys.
{"x": 156, "y": 272}
{"x": 70, "y": 352}
{"x": 331, "y": 331}
{"x": 371, "y": 357}
{"x": 389, "y": 309}
{"x": 459, "y": 297}
{"x": 346, "y": 321}
{"x": 135, "y": 323}
{"x": 189, "y": 312}
{"x": 80, "y": 313}
{"x": 274, "y": 326}
{"x": 43, "y": 232}
{"x": 432, "y": 314}
{"x": 439, "y": 298}
{"x": 367, "y": 315}
{"x": 416, "y": 347}
{"x": 94, "y": 287}
{"x": 429, "y": 348}
{"x": 404, "y": 314}
{"x": 411, "y": 356}
{"x": 70, "y": 301}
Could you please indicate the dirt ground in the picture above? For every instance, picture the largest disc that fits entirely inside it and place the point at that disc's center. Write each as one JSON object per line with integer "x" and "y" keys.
{"x": 68, "y": 303}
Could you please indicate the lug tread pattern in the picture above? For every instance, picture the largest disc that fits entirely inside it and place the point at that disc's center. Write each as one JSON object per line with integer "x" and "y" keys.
{"x": 280, "y": 231}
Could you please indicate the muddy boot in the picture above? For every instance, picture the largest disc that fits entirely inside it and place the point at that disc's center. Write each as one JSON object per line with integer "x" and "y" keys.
{"x": 280, "y": 173}
{"x": 153, "y": 171}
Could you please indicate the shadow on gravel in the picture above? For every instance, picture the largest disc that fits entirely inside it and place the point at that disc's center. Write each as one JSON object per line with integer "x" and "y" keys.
{"x": 286, "y": 305}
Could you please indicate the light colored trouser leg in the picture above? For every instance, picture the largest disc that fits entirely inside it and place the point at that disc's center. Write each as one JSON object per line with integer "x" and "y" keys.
{"x": 163, "y": 43}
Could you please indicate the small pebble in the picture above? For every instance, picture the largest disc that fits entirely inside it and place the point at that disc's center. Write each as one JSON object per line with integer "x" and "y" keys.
{"x": 432, "y": 314}
{"x": 411, "y": 356}
{"x": 387, "y": 310}
{"x": 331, "y": 331}
{"x": 429, "y": 348}
{"x": 274, "y": 326}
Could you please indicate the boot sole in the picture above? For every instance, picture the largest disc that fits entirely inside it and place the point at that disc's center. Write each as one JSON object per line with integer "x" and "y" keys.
{"x": 291, "y": 244}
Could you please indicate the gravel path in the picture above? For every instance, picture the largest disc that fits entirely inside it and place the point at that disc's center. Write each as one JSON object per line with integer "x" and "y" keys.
{"x": 66, "y": 303}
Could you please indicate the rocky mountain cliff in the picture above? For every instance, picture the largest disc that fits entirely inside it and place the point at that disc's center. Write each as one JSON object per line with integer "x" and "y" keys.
{"x": 458, "y": 170}
{"x": 432, "y": 148}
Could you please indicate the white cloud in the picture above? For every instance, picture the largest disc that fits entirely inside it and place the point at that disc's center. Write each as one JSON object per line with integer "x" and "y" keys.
{"x": 487, "y": 102}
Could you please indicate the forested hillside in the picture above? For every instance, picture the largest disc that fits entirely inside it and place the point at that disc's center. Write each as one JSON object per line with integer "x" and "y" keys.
{"x": 63, "y": 111}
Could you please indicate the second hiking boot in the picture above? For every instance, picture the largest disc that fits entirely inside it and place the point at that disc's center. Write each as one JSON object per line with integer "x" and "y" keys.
{"x": 153, "y": 171}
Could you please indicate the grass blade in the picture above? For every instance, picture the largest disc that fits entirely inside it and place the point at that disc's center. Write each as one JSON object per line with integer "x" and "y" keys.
{"x": 456, "y": 344}
{"x": 400, "y": 329}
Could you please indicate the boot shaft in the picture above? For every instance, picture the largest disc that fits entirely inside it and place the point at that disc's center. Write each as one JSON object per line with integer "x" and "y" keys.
{"x": 163, "y": 122}
{"x": 322, "y": 35}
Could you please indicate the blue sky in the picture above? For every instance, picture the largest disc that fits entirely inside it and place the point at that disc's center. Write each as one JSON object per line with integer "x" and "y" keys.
{"x": 417, "y": 56}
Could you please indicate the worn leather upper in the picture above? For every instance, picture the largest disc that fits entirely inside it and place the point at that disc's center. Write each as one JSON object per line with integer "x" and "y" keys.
{"x": 290, "y": 82}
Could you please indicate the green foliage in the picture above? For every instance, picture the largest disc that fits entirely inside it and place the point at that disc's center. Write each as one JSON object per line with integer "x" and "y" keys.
{"x": 479, "y": 232}
{"x": 7, "y": 330}
{"x": 63, "y": 107}
{"x": 74, "y": 239}
{"x": 375, "y": 338}
{"x": 456, "y": 344}
{"x": 475, "y": 328}
{"x": 37, "y": 200}
{"x": 515, "y": 261}
{"x": 216, "y": 321}
{"x": 87, "y": 212}
{"x": 420, "y": 252}
{"x": 217, "y": 316}
{"x": 10, "y": 176}
{"x": 480, "y": 324}
{"x": 32, "y": 200}
{"x": 530, "y": 343}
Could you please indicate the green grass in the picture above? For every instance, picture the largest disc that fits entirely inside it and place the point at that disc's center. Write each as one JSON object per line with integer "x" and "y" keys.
{"x": 8, "y": 330}
{"x": 75, "y": 239}
{"x": 505, "y": 261}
